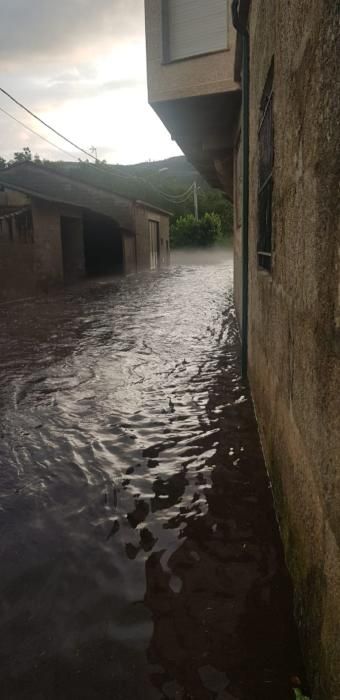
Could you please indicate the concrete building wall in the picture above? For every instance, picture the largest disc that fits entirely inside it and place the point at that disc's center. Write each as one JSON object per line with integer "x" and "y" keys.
{"x": 10, "y": 198}
{"x": 294, "y": 333}
{"x": 40, "y": 258}
{"x": 201, "y": 75}
{"x": 17, "y": 277}
{"x": 142, "y": 240}
{"x": 55, "y": 251}
{"x": 129, "y": 248}
{"x": 73, "y": 249}
{"x": 47, "y": 243}
{"x": 164, "y": 240}
{"x": 58, "y": 243}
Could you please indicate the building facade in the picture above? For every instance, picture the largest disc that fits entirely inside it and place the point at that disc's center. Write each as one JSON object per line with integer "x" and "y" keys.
{"x": 54, "y": 229}
{"x": 293, "y": 238}
{"x": 194, "y": 92}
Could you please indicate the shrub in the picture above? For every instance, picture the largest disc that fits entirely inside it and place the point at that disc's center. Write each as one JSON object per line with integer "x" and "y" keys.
{"x": 187, "y": 232}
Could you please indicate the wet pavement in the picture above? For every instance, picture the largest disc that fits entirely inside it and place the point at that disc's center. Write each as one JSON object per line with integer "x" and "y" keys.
{"x": 140, "y": 556}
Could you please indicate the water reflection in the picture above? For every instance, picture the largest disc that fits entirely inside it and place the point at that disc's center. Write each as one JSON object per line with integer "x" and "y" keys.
{"x": 140, "y": 555}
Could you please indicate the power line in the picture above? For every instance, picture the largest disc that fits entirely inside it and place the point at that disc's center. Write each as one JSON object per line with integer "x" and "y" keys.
{"x": 174, "y": 199}
{"x": 36, "y": 133}
{"x": 90, "y": 155}
{"x": 116, "y": 170}
{"x": 177, "y": 199}
{"x": 113, "y": 171}
{"x": 177, "y": 196}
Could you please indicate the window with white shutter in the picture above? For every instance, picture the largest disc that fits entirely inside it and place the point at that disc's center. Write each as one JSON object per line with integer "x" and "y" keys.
{"x": 194, "y": 27}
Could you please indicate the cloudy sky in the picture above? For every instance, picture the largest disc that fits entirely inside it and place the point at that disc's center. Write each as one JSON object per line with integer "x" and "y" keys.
{"x": 80, "y": 65}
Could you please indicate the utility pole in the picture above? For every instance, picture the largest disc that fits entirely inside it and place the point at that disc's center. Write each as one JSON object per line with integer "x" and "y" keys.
{"x": 195, "y": 200}
{"x": 93, "y": 150}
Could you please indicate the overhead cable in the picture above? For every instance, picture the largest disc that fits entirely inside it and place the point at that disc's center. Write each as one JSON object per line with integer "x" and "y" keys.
{"x": 36, "y": 133}
{"x": 90, "y": 155}
{"x": 174, "y": 199}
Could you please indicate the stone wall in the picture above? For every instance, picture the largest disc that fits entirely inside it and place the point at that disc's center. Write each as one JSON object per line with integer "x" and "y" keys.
{"x": 237, "y": 199}
{"x": 294, "y": 334}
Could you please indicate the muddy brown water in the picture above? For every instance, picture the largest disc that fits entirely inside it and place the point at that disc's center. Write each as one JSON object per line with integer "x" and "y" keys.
{"x": 140, "y": 556}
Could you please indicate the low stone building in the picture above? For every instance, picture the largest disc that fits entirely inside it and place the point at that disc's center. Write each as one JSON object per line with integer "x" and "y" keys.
{"x": 55, "y": 229}
{"x": 257, "y": 110}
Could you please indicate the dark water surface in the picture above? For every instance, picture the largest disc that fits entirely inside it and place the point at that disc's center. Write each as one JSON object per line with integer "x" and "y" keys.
{"x": 140, "y": 556}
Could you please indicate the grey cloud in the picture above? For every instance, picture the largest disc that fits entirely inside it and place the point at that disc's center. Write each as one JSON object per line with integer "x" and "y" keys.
{"x": 61, "y": 91}
{"x": 71, "y": 75}
{"x": 43, "y": 28}
{"x": 49, "y": 53}
{"x": 52, "y": 93}
{"x": 127, "y": 83}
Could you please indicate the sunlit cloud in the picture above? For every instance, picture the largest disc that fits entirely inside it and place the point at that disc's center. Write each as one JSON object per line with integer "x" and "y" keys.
{"x": 88, "y": 79}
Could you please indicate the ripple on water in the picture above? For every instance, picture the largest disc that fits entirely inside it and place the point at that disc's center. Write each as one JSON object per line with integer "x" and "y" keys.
{"x": 132, "y": 542}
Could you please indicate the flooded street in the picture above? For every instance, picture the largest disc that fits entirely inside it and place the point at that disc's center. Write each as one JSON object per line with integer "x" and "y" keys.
{"x": 140, "y": 556}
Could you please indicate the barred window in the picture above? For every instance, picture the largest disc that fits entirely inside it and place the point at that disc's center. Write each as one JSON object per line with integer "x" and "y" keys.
{"x": 266, "y": 164}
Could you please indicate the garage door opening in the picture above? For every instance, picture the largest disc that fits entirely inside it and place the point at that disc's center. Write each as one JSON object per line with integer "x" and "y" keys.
{"x": 103, "y": 246}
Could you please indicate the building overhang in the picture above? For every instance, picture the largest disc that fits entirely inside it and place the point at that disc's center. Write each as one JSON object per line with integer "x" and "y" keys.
{"x": 204, "y": 128}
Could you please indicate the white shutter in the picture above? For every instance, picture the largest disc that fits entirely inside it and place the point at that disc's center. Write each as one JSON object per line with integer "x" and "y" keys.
{"x": 196, "y": 27}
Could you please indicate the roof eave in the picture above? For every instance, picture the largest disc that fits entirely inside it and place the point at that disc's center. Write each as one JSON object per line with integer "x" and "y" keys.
{"x": 152, "y": 207}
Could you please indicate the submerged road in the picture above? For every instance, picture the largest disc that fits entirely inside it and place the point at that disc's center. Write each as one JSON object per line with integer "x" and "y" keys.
{"x": 140, "y": 555}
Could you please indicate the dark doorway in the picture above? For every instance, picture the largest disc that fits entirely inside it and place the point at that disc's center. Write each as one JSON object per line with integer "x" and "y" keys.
{"x": 72, "y": 241}
{"x": 103, "y": 246}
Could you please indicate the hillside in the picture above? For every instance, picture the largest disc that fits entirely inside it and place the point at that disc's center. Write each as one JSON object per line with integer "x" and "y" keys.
{"x": 156, "y": 182}
{"x": 177, "y": 167}
{"x": 163, "y": 183}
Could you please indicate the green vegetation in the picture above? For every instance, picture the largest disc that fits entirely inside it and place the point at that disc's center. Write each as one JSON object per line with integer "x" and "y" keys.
{"x": 157, "y": 183}
{"x": 189, "y": 232}
{"x": 20, "y": 157}
{"x": 174, "y": 176}
{"x": 299, "y": 695}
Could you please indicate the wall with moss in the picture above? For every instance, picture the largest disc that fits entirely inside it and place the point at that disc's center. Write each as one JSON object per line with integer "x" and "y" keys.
{"x": 294, "y": 332}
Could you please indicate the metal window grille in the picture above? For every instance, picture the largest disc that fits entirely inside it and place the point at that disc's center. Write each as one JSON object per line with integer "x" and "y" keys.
{"x": 266, "y": 165}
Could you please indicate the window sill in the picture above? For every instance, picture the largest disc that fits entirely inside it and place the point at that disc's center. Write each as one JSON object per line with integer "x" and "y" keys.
{"x": 266, "y": 274}
{"x": 172, "y": 61}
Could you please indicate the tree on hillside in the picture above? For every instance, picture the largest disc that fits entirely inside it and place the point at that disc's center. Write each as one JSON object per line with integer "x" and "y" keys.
{"x": 21, "y": 156}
